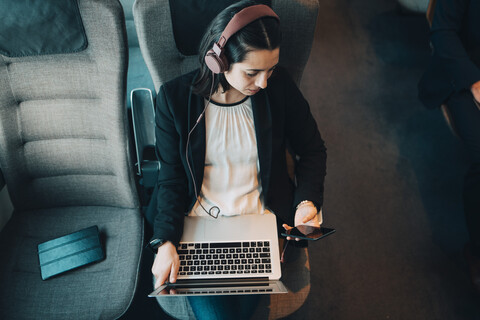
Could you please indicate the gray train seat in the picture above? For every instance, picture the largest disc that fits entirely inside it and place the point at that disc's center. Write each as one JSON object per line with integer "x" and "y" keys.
{"x": 65, "y": 157}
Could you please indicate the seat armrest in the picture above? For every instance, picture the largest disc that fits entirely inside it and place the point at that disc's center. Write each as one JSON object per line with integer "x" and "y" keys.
{"x": 143, "y": 117}
{"x": 6, "y": 207}
{"x": 2, "y": 180}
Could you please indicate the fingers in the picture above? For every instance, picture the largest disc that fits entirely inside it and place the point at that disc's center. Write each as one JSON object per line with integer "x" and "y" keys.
{"x": 174, "y": 271}
{"x": 166, "y": 264}
{"x": 164, "y": 292}
{"x": 159, "y": 280}
{"x": 160, "y": 274}
{"x": 311, "y": 215}
{"x": 307, "y": 215}
{"x": 287, "y": 227}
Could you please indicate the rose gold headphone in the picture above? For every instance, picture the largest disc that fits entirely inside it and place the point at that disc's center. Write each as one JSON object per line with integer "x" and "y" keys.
{"x": 215, "y": 58}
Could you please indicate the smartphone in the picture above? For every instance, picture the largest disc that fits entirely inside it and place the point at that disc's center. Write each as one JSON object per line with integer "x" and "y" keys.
{"x": 305, "y": 232}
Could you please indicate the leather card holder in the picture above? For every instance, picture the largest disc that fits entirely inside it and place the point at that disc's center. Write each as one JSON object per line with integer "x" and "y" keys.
{"x": 70, "y": 252}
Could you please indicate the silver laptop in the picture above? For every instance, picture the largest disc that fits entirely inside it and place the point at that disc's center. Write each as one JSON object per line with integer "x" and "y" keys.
{"x": 227, "y": 256}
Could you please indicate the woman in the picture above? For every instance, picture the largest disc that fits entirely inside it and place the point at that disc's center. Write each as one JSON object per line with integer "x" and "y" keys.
{"x": 453, "y": 78}
{"x": 221, "y": 142}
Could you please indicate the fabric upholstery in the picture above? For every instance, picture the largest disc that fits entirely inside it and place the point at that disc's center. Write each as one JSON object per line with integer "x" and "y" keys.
{"x": 64, "y": 153}
{"x": 138, "y": 75}
{"x": 157, "y": 42}
{"x": 98, "y": 291}
{"x": 165, "y": 62}
{"x": 187, "y": 28}
{"x": 67, "y": 113}
{"x": 298, "y": 19}
{"x": 296, "y": 277}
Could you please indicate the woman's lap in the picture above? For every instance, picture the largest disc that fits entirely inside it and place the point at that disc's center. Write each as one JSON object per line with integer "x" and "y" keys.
{"x": 224, "y": 307}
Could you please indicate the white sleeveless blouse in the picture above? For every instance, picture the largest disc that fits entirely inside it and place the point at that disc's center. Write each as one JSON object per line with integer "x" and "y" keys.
{"x": 231, "y": 178}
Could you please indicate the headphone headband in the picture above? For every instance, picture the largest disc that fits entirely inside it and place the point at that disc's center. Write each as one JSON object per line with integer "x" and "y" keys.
{"x": 215, "y": 59}
{"x": 244, "y": 17}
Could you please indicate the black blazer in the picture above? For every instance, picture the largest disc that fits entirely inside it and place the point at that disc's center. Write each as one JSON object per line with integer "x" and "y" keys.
{"x": 455, "y": 61}
{"x": 280, "y": 114}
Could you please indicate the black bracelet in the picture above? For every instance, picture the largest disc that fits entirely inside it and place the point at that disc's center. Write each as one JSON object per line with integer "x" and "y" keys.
{"x": 155, "y": 244}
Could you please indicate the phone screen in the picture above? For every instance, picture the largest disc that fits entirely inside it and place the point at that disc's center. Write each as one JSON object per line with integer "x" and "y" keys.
{"x": 308, "y": 232}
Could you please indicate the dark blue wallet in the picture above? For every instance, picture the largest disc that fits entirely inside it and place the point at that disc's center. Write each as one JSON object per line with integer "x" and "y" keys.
{"x": 70, "y": 252}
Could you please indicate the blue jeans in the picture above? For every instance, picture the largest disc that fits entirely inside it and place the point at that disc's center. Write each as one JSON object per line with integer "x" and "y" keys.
{"x": 224, "y": 307}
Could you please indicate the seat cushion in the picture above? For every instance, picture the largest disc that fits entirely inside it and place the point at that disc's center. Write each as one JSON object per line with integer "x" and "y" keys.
{"x": 23, "y": 28}
{"x": 296, "y": 277}
{"x": 101, "y": 290}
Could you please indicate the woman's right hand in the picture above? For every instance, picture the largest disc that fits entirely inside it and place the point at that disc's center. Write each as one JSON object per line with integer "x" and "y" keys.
{"x": 166, "y": 264}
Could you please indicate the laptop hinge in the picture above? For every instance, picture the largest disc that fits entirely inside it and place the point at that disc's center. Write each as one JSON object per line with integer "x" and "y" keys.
{"x": 216, "y": 280}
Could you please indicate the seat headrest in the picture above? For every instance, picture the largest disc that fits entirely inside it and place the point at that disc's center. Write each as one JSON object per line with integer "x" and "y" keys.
{"x": 190, "y": 19}
{"x": 37, "y": 27}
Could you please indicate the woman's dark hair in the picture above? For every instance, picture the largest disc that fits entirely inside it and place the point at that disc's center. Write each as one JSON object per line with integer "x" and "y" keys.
{"x": 261, "y": 34}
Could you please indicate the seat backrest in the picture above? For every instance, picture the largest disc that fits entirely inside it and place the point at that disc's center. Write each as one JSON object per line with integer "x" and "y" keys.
{"x": 138, "y": 74}
{"x": 63, "y": 120}
{"x": 156, "y": 35}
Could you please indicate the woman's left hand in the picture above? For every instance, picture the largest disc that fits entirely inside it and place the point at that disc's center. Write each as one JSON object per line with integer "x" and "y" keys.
{"x": 305, "y": 214}
{"x": 476, "y": 91}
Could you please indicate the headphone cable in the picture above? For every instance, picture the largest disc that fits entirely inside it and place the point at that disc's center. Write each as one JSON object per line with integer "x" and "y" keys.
{"x": 214, "y": 211}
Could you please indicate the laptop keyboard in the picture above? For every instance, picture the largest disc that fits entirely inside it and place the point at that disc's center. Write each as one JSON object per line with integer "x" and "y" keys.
{"x": 248, "y": 258}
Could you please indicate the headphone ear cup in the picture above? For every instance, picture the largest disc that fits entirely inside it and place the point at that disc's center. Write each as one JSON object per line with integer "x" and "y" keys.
{"x": 217, "y": 64}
